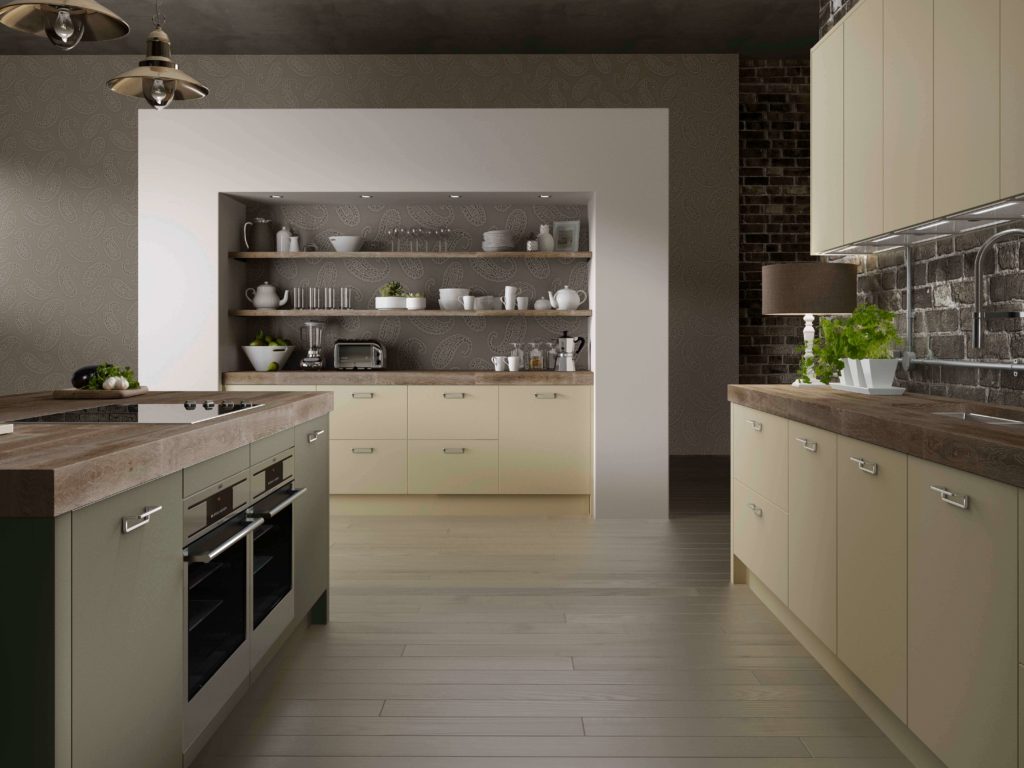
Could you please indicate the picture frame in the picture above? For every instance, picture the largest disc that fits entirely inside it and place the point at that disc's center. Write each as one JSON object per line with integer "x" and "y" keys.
{"x": 566, "y": 235}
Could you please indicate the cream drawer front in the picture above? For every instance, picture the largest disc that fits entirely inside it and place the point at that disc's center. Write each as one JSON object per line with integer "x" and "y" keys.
{"x": 453, "y": 466}
{"x": 545, "y": 437}
{"x": 368, "y": 412}
{"x": 760, "y": 453}
{"x": 269, "y": 388}
{"x": 760, "y": 538}
{"x": 368, "y": 466}
{"x": 441, "y": 413}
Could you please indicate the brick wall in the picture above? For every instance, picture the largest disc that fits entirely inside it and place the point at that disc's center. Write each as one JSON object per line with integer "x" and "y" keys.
{"x": 774, "y": 115}
{"x": 831, "y": 11}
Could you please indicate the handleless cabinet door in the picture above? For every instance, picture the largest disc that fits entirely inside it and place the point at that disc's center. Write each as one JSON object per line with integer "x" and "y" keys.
{"x": 827, "y": 142}
{"x": 442, "y": 413}
{"x": 361, "y": 412}
{"x": 760, "y": 454}
{"x": 962, "y": 624}
{"x": 909, "y": 113}
{"x": 1011, "y": 99}
{"x": 862, "y": 121}
{"x": 966, "y": 104}
{"x": 311, "y": 513}
{"x": 126, "y": 630}
{"x": 872, "y": 568}
{"x": 812, "y": 529}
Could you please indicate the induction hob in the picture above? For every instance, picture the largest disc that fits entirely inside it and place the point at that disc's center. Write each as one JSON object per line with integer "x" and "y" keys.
{"x": 189, "y": 412}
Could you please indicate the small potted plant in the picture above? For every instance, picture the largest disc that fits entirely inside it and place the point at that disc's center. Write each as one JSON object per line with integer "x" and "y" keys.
{"x": 391, "y": 296}
{"x": 856, "y": 349}
{"x": 415, "y": 301}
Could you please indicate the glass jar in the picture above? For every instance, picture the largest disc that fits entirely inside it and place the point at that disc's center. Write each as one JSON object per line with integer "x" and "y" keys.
{"x": 550, "y": 355}
{"x": 536, "y": 357}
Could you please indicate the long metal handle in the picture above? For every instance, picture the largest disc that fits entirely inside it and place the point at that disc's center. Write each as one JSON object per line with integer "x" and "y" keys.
{"x": 129, "y": 524}
{"x": 362, "y": 395}
{"x": 865, "y": 466}
{"x": 756, "y": 510}
{"x": 948, "y": 497}
{"x": 362, "y": 450}
{"x": 212, "y": 554}
{"x": 314, "y": 436}
{"x": 454, "y": 395}
{"x": 757, "y": 425}
{"x": 273, "y": 512}
{"x": 809, "y": 445}
{"x": 454, "y": 450}
{"x": 545, "y": 395}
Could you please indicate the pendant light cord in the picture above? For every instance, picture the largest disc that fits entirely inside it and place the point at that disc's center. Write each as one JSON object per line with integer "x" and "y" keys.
{"x": 158, "y": 19}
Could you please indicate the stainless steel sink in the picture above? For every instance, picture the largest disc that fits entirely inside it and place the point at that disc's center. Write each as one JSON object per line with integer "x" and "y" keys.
{"x": 981, "y": 418}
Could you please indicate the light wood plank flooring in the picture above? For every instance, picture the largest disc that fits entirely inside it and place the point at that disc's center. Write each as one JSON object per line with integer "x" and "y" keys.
{"x": 532, "y": 642}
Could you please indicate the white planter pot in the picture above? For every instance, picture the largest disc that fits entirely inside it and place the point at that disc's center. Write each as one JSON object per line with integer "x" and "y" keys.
{"x": 879, "y": 374}
{"x": 389, "y": 302}
{"x": 415, "y": 302}
{"x": 852, "y": 375}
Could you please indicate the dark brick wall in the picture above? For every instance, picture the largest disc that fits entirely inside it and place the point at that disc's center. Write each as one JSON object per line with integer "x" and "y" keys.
{"x": 775, "y": 205}
{"x": 831, "y": 11}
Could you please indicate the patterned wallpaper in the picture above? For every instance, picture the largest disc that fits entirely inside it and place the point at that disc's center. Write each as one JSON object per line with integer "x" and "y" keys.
{"x": 68, "y": 191}
{"x": 451, "y": 343}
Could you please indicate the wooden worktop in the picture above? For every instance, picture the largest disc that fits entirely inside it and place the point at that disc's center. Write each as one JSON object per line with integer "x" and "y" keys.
{"x": 905, "y": 423}
{"x": 385, "y": 377}
{"x": 49, "y": 469}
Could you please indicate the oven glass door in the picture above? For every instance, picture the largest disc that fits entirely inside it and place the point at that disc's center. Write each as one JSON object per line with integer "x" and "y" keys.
{"x": 272, "y": 551}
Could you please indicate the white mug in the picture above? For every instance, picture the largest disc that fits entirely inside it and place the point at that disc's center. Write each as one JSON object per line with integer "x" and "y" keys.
{"x": 510, "y": 297}
{"x": 467, "y": 302}
{"x": 513, "y": 363}
{"x": 500, "y": 362}
{"x": 523, "y": 302}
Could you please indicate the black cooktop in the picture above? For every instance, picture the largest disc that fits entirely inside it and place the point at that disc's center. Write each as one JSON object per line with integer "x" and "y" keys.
{"x": 189, "y": 412}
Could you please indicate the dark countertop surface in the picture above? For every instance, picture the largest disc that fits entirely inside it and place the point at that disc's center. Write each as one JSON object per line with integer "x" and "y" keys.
{"x": 905, "y": 423}
{"x": 49, "y": 469}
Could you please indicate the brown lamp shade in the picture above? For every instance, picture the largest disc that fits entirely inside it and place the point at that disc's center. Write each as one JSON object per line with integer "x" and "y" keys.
{"x": 809, "y": 288}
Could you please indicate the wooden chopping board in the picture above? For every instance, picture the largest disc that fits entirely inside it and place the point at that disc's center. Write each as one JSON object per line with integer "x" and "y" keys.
{"x": 97, "y": 394}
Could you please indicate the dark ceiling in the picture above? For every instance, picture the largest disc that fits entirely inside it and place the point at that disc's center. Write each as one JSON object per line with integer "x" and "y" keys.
{"x": 754, "y": 27}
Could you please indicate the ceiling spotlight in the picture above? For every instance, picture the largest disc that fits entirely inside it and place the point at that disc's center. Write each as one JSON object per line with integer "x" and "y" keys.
{"x": 276, "y": 197}
{"x": 65, "y": 24}
{"x": 157, "y": 79}
{"x": 454, "y": 197}
{"x": 366, "y": 197}
{"x": 544, "y": 197}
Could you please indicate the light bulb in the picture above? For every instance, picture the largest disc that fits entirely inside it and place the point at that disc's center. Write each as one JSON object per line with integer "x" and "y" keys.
{"x": 158, "y": 92}
{"x": 63, "y": 27}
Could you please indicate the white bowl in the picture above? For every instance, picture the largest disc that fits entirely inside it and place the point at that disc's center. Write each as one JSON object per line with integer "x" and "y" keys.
{"x": 346, "y": 243}
{"x": 262, "y": 357}
{"x": 389, "y": 302}
{"x": 415, "y": 302}
{"x": 451, "y": 298}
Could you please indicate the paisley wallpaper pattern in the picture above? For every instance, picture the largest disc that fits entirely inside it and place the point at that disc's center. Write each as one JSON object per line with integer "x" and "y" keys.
{"x": 452, "y": 343}
{"x": 68, "y": 191}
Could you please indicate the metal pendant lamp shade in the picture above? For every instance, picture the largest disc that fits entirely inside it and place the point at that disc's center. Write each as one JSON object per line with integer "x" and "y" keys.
{"x": 65, "y": 24}
{"x": 808, "y": 288}
{"x": 157, "y": 79}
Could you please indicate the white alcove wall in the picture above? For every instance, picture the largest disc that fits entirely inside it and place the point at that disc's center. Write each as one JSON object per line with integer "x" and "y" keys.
{"x": 619, "y": 156}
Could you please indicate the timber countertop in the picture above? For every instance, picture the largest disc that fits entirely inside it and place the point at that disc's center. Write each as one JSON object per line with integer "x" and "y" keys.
{"x": 49, "y": 469}
{"x": 905, "y": 423}
{"x": 385, "y": 377}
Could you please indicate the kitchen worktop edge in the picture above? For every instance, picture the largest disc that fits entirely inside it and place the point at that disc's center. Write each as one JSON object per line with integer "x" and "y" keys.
{"x": 386, "y": 377}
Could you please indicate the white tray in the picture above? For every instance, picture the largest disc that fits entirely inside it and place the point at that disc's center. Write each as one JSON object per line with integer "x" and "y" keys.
{"x": 869, "y": 390}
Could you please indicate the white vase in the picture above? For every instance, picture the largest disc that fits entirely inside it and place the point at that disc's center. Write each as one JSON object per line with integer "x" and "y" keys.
{"x": 879, "y": 374}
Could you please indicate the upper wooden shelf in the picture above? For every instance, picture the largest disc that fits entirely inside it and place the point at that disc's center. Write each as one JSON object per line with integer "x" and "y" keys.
{"x": 409, "y": 313}
{"x": 264, "y": 255}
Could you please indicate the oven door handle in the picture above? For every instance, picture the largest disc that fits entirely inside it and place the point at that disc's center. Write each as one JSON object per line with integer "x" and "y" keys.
{"x": 273, "y": 511}
{"x": 212, "y": 554}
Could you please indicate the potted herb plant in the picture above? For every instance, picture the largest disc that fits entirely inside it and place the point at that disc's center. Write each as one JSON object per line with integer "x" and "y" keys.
{"x": 391, "y": 296}
{"x": 856, "y": 349}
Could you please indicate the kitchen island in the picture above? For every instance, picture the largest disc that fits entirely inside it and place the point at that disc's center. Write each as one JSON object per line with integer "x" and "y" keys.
{"x": 152, "y": 569}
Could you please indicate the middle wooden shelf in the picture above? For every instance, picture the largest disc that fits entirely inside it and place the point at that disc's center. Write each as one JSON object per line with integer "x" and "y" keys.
{"x": 409, "y": 313}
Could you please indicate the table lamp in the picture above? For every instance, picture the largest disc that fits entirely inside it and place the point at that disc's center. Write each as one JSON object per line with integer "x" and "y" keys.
{"x": 808, "y": 289}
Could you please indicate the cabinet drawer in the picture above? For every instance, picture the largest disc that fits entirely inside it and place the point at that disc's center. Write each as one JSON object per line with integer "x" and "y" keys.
{"x": 760, "y": 538}
{"x": 368, "y": 466}
{"x": 270, "y": 446}
{"x": 545, "y": 439}
{"x": 208, "y": 472}
{"x": 368, "y": 412}
{"x": 441, "y": 413}
{"x": 453, "y": 466}
{"x": 962, "y": 624}
{"x": 759, "y": 453}
{"x": 872, "y": 568}
{"x": 269, "y": 388}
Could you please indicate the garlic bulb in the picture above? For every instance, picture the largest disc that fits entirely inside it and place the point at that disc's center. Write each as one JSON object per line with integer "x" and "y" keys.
{"x": 110, "y": 382}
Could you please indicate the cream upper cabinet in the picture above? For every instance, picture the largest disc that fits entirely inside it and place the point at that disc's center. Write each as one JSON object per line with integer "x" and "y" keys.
{"x": 872, "y": 568}
{"x": 962, "y": 622}
{"x": 827, "y": 142}
{"x": 812, "y": 529}
{"x": 862, "y": 121}
{"x": 908, "y": 116}
{"x": 759, "y": 453}
{"x": 1011, "y": 99}
{"x": 967, "y": 63}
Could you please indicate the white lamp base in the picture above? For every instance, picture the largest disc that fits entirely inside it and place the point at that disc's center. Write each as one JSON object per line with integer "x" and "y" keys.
{"x": 809, "y": 353}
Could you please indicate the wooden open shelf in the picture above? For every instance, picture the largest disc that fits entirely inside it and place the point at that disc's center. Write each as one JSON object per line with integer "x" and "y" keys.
{"x": 408, "y": 313}
{"x": 265, "y": 255}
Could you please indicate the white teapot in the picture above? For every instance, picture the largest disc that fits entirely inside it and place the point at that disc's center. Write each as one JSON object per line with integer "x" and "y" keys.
{"x": 566, "y": 299}
{"x": 265, "y": 297}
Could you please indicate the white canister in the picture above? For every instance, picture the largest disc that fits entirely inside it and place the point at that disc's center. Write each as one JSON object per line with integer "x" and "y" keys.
{"x": 293, "y": 244}
{"x": 284, "y": 240}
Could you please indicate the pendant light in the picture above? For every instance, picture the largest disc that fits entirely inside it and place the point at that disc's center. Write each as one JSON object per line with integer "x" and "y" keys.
{"x": 65, "y": 24}
{"x": 157, "y": 79}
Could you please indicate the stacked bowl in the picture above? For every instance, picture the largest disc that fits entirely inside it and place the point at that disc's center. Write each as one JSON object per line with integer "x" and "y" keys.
{"x": 498, "y": 240}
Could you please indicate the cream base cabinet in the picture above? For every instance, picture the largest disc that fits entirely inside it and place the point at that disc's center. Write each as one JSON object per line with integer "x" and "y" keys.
{"x": 812, "y": 529}
{"x": 369, "y": 466}
{"x": 453, "y": 466}
{"x": 759, "y": 453}
{"x": 545, "y": 438}
{"x": 871, "y": 541}
{"x": 760, "y": 538}
{"x": 962, "y": 622}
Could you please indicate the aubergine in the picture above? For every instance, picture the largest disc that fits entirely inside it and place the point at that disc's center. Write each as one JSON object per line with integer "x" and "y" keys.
{"x": 81, "y": 377}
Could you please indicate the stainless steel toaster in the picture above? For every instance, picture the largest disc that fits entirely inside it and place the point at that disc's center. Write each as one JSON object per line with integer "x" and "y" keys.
{"x": 359, "y": 355}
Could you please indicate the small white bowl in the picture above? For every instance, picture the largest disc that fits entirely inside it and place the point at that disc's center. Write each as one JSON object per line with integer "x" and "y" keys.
{"x": 346, "y": 243}
{"x": 389, "y": 302}
{"x": 262, "y": 357}
{"x": 415, "y": 302}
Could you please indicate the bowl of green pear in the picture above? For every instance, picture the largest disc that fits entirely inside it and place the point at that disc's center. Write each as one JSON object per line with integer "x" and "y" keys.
{"x": 268, "y": 353}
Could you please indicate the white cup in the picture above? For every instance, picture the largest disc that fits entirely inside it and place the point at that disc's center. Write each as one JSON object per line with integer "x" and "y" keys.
{"x": 510, "y": 297}
{"x": 467, "y": 302}
{"x": 513, "y": 363}
{"x": 500, "y": 362}
{"x": 523, "y": 302}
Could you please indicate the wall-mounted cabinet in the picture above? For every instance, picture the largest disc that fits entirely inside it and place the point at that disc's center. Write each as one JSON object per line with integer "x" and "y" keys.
{"x": 827, "y": 125}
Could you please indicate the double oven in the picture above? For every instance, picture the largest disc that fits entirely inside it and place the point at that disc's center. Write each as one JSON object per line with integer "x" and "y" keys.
{"x": 239, "y": 576}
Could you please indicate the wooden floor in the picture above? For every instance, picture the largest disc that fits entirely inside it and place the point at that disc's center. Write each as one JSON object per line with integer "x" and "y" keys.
{"x": 538, "y": 643}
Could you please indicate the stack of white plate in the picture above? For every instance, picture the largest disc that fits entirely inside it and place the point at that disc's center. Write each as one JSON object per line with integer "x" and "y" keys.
{"x": 498, "y": 240}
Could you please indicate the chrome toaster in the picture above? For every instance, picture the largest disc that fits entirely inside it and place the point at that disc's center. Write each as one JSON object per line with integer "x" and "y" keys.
{"x": 359, "y": 355}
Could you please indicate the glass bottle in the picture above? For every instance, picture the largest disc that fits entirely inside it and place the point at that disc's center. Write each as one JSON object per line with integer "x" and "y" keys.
{"x": 536, "y": 357}
{"x": 550, "y": 356}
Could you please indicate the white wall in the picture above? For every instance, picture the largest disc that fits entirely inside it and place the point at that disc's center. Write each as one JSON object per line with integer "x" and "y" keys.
{"x": 188, "y": 157}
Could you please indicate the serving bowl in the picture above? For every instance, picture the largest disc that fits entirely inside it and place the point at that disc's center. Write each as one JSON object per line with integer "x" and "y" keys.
{"x": 262, "y": 357}
{"x": 346, "y": 243}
